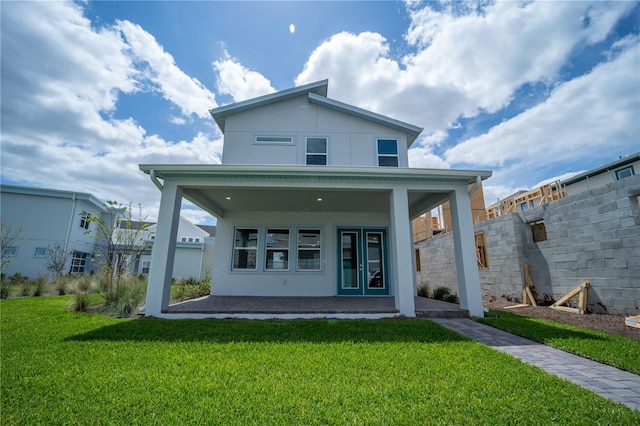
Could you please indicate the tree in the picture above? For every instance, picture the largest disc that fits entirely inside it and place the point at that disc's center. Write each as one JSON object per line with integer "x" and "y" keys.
{"x": 57, "y": 258}
{"x": 119, "y": 239}
{"x": 9, "y": 237}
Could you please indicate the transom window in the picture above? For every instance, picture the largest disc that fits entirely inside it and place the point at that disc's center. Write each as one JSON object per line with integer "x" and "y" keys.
{"x": 309, "y": 250}
{"x": 277, "y": 249}
{"x": 273, "y": 140}
{"x": 316, "y": 151}
{"x": 624, "y": 173}
{"x": 245, "y": 249}
{"x": 387, "y": 152}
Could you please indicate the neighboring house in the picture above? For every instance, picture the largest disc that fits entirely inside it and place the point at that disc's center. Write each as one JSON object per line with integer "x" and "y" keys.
{"x": 48, "y": 217}
{"x": 314, "y": 197}
{"x": 603, "y": 175}
{"x": 192, "y": 245}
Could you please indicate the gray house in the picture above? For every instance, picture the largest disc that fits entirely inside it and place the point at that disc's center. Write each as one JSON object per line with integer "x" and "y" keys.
{"x": 47, "y": 217}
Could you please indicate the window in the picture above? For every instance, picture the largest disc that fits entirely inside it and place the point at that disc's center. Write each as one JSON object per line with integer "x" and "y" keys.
{"x": 317, "y": 151}
{"x": 10, "y": 251}
{"x": 273, "y": 140}
{"x": 78, "y": 262}
{"x": 387, "y": 152}
{"x": 524, "y": 207}
{"x": 197, "y": 240}
{"x": 624, "y": 173}
{"x": 309, "y": 250}
{"x": 417, "y": 254}
{"x": 277, "y": 249}
{"x": 85, "y": 220}
{"x": 481, "y": 251}
{"x": 183, "y": 239}
{"x": 40, "y": 252}
{"x": 146, "y": 264}
{"x": 245, "y": 249}
{"x": 190, "y": 239}
{"x": 539, "y": 231}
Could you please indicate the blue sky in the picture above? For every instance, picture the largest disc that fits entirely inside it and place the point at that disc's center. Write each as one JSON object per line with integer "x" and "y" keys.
{"x": 530, "y": 90}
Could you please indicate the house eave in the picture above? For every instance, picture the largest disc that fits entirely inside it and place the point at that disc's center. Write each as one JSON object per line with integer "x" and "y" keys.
{"x": 412, "y": 131}
{"x": 304, "y": 172}
{"x": 602, "y": 169}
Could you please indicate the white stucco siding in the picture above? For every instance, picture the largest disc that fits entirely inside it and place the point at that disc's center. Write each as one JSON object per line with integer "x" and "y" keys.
{"x": 291, "y": 282}
{"x": 600, "y": 180}
{"x": 188, "y": 261}
{"x": 352, "y": 141}
{"x": 44, "y": 221}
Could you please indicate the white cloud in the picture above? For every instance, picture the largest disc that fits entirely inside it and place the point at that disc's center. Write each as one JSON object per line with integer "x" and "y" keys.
{"x": 469, "y": 58}
{"x": 59, "y": 98}
{"x": 422, "y": 157}
{"x": 238, "y": 81}
{"x": 581, "y": 118}
{"x": 177, "y": 87}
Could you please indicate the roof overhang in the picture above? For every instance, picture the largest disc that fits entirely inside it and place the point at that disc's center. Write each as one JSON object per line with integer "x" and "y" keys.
{"x": 221, "y": 188}
{"x": 221, "y": 113}
{"x": 602, "y": 169}
{"x": 411, "y": 130}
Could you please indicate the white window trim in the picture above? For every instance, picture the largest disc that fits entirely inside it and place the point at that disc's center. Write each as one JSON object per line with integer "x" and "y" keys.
{"x": 624, "y": 169}
{"x": 256, "y": 248}
{"x": 320, "y": 249}
{"x": 282, "y": 249}
{"x": 274, "y": 139}
{"x": 396, "y": 155}
{"x": 307, "y": 153}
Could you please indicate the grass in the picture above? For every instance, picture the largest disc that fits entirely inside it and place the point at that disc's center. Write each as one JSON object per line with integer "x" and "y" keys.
{"x": 61, "y": 367}
{"x": 618, "y": 351}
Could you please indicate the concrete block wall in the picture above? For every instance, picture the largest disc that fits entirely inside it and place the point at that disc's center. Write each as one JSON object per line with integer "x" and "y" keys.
{"x": 591, "y": 236}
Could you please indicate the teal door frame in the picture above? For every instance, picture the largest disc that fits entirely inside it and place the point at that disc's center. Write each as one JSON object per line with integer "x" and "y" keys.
{"x": 362, "y": 261}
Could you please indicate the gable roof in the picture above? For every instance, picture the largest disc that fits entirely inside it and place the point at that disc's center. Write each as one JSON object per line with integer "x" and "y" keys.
{"x": 316, "y": 94}
{"x": 221, "y": 113}
{"x": 55, "y": 193}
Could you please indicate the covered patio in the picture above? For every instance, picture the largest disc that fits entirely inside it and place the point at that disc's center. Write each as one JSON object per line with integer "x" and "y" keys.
{"x": 260, "y": 307}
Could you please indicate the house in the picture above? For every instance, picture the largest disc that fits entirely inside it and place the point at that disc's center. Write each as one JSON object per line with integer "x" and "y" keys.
{"x": 193, "y": 254}
{"x": 621, "y": 168}
{"x": 47, "y": 217}
{"x": 314, "y": 197}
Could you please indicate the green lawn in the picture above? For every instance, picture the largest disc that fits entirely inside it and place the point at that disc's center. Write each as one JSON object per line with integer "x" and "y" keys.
{"x": 62, "y": 367}
{"x": 618, "y": 351}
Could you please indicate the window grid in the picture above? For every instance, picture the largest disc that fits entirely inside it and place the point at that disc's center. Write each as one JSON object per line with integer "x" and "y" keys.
{"x": 78, "y": 262}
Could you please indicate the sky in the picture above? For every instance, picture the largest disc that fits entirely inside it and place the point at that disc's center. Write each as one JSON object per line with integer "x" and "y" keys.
{"x": 532, "y": 90}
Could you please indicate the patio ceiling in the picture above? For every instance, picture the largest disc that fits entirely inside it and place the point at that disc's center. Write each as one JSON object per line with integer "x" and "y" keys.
{"x": 222, "y": 188}
{"x": 219, "y": 200}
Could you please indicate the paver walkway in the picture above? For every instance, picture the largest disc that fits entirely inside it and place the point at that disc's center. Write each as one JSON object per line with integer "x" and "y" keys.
{"x": 607, "y": 381}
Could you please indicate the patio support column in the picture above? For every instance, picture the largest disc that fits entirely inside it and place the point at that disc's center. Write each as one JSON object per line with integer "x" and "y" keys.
{"x": 465, "y": 252}
{"x": 164, "y": 247}
{"x": 401, "y": 252}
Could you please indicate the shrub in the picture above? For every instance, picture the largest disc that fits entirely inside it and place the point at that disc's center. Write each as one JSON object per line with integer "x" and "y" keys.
{"x": 80, "y": 302}
{"x": 62, "y": 283}
{"x": 4, "y": 286}
{"x": 444, "y": 294}
{"x": 21, "y": 281}
{"x": 128, "y": 299}
{"x": 423, "y": 290}
{"x": 41, "y": 284}
{"x": 190, "y": 288}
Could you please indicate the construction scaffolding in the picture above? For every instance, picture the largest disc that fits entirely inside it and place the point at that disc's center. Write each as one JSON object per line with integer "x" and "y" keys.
{"x": 525, "y": 200}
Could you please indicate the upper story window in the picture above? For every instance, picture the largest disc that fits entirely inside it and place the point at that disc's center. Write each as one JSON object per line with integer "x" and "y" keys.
{"x": 273, "y": 140}
{"x": 624, "y": 173}
{"x": 316, "y": 151}
{"x": 84, "y": 220}
{"x": 388, "y": 152}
